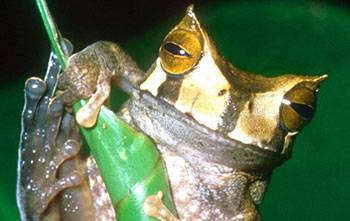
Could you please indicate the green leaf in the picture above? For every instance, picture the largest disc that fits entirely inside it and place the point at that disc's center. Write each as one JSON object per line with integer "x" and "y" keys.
{"x": 129, "y": 162}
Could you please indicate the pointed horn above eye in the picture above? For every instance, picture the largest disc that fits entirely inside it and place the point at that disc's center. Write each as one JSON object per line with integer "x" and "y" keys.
{"x": 189, "y": 9}
{"x": 320, "y": 79}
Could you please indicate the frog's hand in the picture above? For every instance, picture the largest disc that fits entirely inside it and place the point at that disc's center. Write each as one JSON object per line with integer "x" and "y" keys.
{"x": 88, "y": 74}
{"x": 87, "y": 115}
{"x": 48, "y": 141}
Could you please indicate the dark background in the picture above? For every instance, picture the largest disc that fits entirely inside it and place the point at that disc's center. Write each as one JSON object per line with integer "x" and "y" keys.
{"x": 268, "y": 37}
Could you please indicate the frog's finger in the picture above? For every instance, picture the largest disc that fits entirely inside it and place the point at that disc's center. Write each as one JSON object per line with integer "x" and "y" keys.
{"x": 55, "y": 115}
{"x": 51, "y": 76}
{"x": 34, "y": 89}
{"x": 69, "y": 149}
{"x": 53, "y": 69}
{"x": 87, "y": 115}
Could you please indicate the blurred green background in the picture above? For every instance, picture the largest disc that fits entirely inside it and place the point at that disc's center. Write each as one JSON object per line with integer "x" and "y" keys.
{"x": 267, "y": 37}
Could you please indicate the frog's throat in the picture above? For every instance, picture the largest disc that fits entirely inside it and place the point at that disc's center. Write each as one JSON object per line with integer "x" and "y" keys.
{"x": 170, "y": 127}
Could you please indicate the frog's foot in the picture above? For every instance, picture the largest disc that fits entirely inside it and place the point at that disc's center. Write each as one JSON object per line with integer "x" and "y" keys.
{"x": 154, "y": 207}
{"x": 40, "y": 154}
{"x": 87, "y": 115}
{"x": 44, "y": 197}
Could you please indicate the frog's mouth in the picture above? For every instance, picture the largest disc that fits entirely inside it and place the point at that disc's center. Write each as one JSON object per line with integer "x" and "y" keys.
{"x": 186, "y": 137}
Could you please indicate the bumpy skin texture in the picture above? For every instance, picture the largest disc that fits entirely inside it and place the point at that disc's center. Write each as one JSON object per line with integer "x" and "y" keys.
{"x": 53, "y": 175}
{"x": 86, "y": 71}
{"x": 90, "y": 74}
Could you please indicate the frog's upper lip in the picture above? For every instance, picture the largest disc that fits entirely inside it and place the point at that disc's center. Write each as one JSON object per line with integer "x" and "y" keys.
{"x": 217, "y": 147}
{"x": 269, "y": 148}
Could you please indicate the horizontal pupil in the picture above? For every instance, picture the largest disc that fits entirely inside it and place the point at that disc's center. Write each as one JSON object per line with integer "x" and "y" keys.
{"x": 303, "y": 110}
{"x": 175, "y": 49}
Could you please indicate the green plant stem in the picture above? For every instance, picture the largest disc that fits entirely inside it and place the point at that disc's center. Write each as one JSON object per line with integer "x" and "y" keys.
{"x": 54, "y": 34}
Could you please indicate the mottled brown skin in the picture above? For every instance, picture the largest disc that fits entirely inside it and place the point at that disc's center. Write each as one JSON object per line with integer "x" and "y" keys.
{"x": 221, "y": 131}
{"x": 84, "y": 71}
{"x": 203, "y": 188}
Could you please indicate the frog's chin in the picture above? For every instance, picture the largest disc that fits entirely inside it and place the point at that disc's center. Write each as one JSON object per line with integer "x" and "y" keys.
{"x": 183, "y": 135}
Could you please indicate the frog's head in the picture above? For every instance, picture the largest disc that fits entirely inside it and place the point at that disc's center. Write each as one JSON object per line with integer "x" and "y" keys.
{"x": 192, "y": 76}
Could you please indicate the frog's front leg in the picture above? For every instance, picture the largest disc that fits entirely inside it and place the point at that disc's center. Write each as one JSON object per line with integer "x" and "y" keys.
{"x": 89, "y": 74}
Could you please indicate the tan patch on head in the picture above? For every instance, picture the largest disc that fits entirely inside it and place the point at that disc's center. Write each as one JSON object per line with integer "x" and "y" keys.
{"x": 201, "y": 93}
{"x": 259, "y": 119}
{"x": 154, "y": 80}
{"x": 204, "y": 91}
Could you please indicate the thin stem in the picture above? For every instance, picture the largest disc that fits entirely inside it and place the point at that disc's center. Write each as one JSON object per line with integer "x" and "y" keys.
{"x": 54, "y": 34}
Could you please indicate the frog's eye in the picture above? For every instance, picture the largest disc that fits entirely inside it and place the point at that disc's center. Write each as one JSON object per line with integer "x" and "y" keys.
{"x": 174, "y": 49}
{"x": 298, "y": 108}
{"x": 180, "y": 52}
